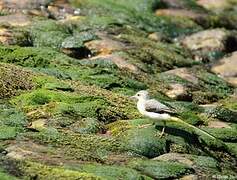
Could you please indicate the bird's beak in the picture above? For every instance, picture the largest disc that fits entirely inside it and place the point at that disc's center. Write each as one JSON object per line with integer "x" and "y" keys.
{"x": 132, "y": 97}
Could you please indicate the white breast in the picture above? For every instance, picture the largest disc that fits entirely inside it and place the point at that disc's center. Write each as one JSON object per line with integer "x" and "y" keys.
{"x": 152, "y": 115}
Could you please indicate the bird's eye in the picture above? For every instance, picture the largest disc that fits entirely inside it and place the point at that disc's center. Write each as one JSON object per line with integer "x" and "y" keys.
{"x": 138, "y": 94}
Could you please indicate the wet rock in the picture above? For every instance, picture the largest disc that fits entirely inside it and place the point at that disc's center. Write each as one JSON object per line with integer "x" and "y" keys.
{"x": 209, "y": 44}
{"x": 226, "y": 68}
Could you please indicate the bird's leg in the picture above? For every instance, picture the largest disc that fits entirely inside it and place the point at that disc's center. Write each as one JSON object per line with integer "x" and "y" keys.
{"x": 144, "y": 125}
{"x": 160, "y": 135}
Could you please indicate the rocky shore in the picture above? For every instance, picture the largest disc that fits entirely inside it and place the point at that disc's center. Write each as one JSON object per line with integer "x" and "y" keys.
{"x": 67, "y": 69}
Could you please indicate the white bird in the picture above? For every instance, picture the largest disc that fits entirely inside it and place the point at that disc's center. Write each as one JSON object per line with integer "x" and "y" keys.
{"x": 152, "y": 108}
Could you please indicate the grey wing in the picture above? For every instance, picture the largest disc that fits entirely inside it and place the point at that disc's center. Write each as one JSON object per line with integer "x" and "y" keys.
{"x": 153, "y": 105}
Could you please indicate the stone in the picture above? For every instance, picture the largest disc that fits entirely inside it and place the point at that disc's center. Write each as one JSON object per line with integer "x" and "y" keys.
{"x": 209, "y": 39}
{"x": 216, "y": 5}
{"x": 16, "y": 20}
{"x": 184, "y": 73}
{"x": 182, "y": 13}
{"x": 104, "y": 45}
{"x": 177, "y": 91}
{"x": 227, "y": 68}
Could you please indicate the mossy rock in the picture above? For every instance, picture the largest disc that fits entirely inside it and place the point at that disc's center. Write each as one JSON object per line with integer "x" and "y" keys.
{"x": 32, "y": 170}
{"x": 144, "y": 141}
{"x": 203, "y": 86}
{"x": 48, "y": 33}
{"x": 7, "y": 132}
{"x": 233, "y": 148}
{"x": 14, "y": 80}
{"x": 225, "y": 134}
{"x": 204, "y": 164}
{"x": 161, "y": 169}
{"x": 87, "y": 126}
{"x": 82, "y": 147}
{"x": 32, "y": 57}
{"x": 155, "y": 57}
{"x": 110, "y": 172}
{"x": 5, "y": 176}
{"x": 140, "y": 14}
{"x": 10, "y": 116}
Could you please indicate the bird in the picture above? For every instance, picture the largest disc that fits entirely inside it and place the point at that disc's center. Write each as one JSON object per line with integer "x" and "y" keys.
{"x": 155, "y": 110}
{"x": 152, "y": 108}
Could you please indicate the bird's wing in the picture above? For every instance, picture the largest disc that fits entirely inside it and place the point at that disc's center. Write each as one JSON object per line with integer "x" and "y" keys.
{"x": 153, "y": 105}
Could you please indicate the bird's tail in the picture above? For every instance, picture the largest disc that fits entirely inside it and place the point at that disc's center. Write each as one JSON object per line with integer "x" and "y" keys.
{"x": 196, "y": 130}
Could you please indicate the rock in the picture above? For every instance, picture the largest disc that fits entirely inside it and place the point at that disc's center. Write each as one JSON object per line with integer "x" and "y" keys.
{"x": 218, "y": 124}
{"x": 184, "y": 73}
{"x": 104, "y": 46}
{"x": 177, "y": 91}
{"x": 156, "y": 36}
{"x": 16, "y": 20}
{"x": 182, "y": 13}
{"x": 198, "y": 163}
{"x": 13, "y": 80}
{"x": 161, "y": 169}
{"x": 209, "y": 44}
{"x": 121, "y": 62}
{"x": 216, "y": 5}
{"x": 226, "y": 68}
{"x": 144, "y": 141}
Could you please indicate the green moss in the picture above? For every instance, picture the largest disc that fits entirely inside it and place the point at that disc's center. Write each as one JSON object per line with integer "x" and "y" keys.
{"x": 32, "y": 170}
{"x": 87, "y": 126}
{"x": 110, "y": 172}
{"x": 11, "y": 117}
{"x": 233, "y": 148}
{"x": 225, "y": 134}
{"x": 7, "y": 132}
{"x": 161, "y": 169}
{"x": 140, "y": 14}
{"x": 5, "y": 176}
{"x": 224, "y": 114}
{"x": 83, "y": 147}
{"x": 48, "y": 33}
{"x": 32, "y": 57}
{"x": 144, "y": 141}
{"x": 153, "y": 56}
{"x": 14, "y": 80}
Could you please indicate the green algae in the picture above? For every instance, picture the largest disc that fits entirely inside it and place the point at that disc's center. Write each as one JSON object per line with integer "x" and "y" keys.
{"x": 32, "y": 57}
{"x": 225, "y": 134}
{"x": 155, "y": 56}
{"x": 110, "y": 172}
{"x": 83, "y": 147}
{"x": 139, "y": 14}
{"x": 144, "y": 141}
{"x": 160, "y": 169}
{"x": 48, "y": 33}
{"x": 14, "y": 80}
{"x": 31, "y": 170}
{"x": 7, "y": 132}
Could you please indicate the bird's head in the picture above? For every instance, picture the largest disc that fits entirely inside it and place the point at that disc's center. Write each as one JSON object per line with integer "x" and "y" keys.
{"x": 141, "y": 95}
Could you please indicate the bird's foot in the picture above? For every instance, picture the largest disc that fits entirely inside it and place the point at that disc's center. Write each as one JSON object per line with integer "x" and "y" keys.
{"x": 144, "y": 125}
{"x": 160, "y": 135}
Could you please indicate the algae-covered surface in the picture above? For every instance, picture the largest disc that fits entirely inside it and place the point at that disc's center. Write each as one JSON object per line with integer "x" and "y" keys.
{"x": 68, "y": 68}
